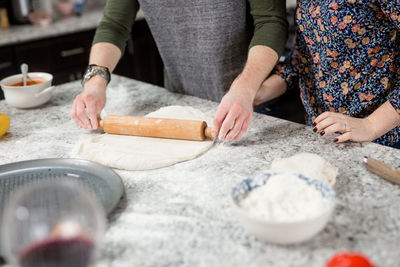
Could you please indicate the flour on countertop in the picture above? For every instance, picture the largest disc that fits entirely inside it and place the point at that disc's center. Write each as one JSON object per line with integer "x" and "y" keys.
{"x": 284, "y": 198}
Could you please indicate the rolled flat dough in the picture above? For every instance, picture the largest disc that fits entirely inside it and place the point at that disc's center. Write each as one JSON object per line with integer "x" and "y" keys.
{"x": 308, "y": 164}
{"x": 145, "y": 153}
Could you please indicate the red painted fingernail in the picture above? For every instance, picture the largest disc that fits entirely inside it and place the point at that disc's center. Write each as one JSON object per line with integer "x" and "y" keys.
{"x": 315, "y": 129}
{"x": 335, "y": 140}
{"x": 322, "y": 133}
{"x": 314, "y": 124}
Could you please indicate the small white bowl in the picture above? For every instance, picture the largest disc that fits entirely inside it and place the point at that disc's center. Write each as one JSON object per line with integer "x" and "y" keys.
{"x": 27, "y": 96}
{"x": 282, "y": 233}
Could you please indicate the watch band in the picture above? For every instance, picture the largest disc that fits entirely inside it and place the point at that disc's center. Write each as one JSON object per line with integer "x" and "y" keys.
{"x": 94, "y": 69}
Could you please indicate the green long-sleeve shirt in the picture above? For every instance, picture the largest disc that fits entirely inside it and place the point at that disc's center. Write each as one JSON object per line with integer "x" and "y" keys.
{"x": 269, "y": 19}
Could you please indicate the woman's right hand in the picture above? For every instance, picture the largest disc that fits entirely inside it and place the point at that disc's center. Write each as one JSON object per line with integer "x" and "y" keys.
{"x": 88, "y": 104}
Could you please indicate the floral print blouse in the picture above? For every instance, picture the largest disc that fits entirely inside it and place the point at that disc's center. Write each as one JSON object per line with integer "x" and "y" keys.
{"x": 347, "y": 58}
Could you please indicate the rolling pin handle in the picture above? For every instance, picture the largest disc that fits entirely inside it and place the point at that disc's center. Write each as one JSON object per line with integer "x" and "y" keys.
{"x": 207, "y": 132}
{"x": 101, "y": 123}
{"x": 384, "y": 170}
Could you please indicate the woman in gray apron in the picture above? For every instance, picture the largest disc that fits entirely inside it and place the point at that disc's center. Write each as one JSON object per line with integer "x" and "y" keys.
{"x": 204, "y": 45}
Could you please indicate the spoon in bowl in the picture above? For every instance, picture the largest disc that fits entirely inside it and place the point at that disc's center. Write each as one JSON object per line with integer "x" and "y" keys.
{"x": 24, "y": 70}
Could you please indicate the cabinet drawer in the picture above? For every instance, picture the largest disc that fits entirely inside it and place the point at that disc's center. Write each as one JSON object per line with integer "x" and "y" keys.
{"x": 68, "y": 75}
{"x": 36, "y": 55}
{"x": 55, "y": 54}
{"x": 73, "y": 50}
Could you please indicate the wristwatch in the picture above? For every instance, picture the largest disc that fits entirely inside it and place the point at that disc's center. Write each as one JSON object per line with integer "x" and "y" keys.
{"x": 93, "y": 70}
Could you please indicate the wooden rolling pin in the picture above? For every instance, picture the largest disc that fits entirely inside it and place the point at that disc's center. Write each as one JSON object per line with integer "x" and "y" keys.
{"x": 382, "y": 169}
{"x": 156, "y": 127}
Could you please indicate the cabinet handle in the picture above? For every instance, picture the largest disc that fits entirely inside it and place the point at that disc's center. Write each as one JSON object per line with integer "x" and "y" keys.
{"x": 4, "y": 65}
{"x": 72, "y": 52}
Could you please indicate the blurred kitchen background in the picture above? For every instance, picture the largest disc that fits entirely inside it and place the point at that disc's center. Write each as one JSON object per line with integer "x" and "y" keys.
{"x": 55, "y": 36}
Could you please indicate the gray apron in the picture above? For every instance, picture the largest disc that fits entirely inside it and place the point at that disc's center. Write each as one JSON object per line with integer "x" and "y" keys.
{"x": 203, "y": 43}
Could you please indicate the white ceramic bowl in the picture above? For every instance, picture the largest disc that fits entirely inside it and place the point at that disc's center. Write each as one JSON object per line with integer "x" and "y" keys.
{"x": 27, "y": 96}
{"x": 283, "y": 233}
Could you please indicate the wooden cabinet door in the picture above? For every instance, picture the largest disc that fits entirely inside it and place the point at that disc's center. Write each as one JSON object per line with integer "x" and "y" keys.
{"x": 7, "y": 65}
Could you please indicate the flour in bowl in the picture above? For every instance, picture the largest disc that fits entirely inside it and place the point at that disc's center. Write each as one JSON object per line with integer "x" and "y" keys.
{"x": 285, "y": 198}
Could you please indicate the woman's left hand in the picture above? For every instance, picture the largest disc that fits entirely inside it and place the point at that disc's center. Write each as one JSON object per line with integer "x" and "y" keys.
{"x": 352, "y": 129}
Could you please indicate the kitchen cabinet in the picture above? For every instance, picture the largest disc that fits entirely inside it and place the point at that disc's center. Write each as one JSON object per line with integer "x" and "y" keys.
{"x": 7, "y": 66}
{"x": 66, "y": 56}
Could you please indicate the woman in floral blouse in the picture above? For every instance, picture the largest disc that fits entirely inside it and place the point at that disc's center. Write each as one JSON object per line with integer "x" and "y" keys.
{"x": 347, "y": 65}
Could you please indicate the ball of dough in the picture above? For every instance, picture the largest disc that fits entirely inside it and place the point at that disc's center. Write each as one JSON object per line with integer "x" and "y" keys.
{"x": 308, "y": 164}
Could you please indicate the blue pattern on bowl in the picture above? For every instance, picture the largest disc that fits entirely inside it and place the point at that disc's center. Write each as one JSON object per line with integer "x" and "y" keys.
{"x": 243, "y": 188}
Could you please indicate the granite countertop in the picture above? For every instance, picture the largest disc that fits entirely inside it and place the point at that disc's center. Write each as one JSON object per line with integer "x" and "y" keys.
{"x": 24, "y": 33}
{"x": 182, "y": 215}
